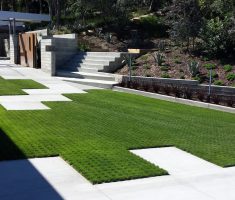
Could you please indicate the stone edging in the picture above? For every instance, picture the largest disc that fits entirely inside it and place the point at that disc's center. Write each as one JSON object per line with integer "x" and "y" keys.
{"x": 175, "y": 99}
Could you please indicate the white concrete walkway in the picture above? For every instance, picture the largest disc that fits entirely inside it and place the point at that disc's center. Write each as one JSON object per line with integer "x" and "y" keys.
{"x": 53, "y": 178}
{"x": 56, "y": 88}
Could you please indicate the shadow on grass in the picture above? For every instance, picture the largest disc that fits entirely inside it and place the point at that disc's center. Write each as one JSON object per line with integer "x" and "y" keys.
{"x": 19, "y": 179}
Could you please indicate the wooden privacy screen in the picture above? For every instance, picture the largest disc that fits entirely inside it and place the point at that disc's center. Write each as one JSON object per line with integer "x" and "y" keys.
{"x": 28, "y": 49}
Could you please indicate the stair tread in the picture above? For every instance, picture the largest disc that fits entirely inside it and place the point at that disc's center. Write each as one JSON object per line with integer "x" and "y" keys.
{"x": 94, "y": 74}
{"x": 98, "y": 74}
{"x": 89, "y": 80}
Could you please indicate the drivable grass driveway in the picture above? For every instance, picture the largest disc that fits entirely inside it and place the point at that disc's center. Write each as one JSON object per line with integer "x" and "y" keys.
{"x": 95, "y": 131}
{"x": 14, "y": 87}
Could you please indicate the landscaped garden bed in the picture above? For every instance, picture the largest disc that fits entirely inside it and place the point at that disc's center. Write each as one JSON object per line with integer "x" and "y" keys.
{"x": 184, "y": 91}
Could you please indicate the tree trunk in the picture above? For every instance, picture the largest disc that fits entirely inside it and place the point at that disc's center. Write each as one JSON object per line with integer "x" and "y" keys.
{"x": 151, "y": 5}
{"x": 40, "y": 4}
{"x": 2, "y": 4}
{"x": 26, "y": 6}
{"x": 50, "y": 8}
{"x": 58, "y": 13}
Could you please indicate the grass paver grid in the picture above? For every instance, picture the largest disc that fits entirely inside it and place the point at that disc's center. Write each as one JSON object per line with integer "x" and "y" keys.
{"x": 95, "y": 131}
{"x": 14, "y": 87}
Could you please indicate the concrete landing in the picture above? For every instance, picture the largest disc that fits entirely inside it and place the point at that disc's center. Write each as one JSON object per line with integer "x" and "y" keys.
{"x": 53, "y": 178}
{"x": 176, "y": 161}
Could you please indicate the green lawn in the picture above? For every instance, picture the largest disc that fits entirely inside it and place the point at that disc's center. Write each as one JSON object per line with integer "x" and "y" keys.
{"x": 14, "y": 87}
{"x": 95, "y": 131}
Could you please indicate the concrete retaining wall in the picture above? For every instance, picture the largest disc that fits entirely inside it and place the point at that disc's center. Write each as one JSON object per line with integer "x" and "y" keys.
{"x": 194, "y": 85}
{"x": 13, "y": 49}
{"x": 48, "y": 62}
{"x": 56, "y": 51}
{"x": 65, "y": 47}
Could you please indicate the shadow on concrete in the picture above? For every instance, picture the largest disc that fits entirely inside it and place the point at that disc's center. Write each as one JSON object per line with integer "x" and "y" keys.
{"x": 19, "y": 179}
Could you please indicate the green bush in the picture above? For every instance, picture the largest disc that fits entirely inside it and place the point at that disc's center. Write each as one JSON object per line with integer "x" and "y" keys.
{"x": 165, "y": 75}
{"x": 230, "y": 77}
{"x": 83, "y": 47}
{"x": 198, "y": 78}
{"x": 210, "y": 66}
{"x": 154, "y": 26}
{"x": 214, "y": 35}
{"x": 228, "y": 68}
{"x": 213, "y": 74}
{"x": 219, "y": 82}
{"x": 177, "y": 61}
{"x": 147, "y": 66}
{"x": 144, "y": 57}
{"x": 164, "y": 68}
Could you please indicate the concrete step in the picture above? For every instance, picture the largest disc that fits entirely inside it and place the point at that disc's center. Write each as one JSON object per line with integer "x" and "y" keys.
{"x": 97, "y": 58}
{"x": 90, "y": 82}
{"x": 86, "y": 75}
{"x": 90, "y": 62}
{"x": 97, "y": 76}
{"x": 96, "y": 66}
{"x": 111, "y": 54}
{"x": 87, "y": 69}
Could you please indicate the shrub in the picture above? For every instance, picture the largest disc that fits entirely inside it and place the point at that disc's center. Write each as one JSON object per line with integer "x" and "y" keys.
{"x": 164, "y": 68}
{"x": 147, "y": 66}
{"x": 176, "y": 90}
{"x": 193, "y": 67}
{"x": 166, "y": 89}
{"x": 182, "y": 77}
{"x": 230, "y": 77}
{"x": 219, "y": 82}
{"x": 187, "y": 93}
{"x": 213, "y": 74}
{"x": 177, "y": 61}
{"x": 205, "y": 58}
{"x": 215, "y": 98}
{"x": 230, "y": 101}
{"x": 201, "y": 95}
{"x": 145, "y": 86}
{"x": 154, "y": 26}
{"x": 156, "y": 87}
{"x": 215, "y": 35}
{"x": 228, "y": 68}
{"x": 134, "y": 66}
{"x": 83, "y": 47}
{"x": 210, "y": 66}
{"x": 198, "y": 78}
{"x": 135, "y": 84}
{"x": 144, "y": 57}
{"x": 160, "y": 58}
{"x": 165, "y": 75}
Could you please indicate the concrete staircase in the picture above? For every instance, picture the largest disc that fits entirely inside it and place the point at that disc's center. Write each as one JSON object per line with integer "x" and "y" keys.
{"x": 92, "y": 68}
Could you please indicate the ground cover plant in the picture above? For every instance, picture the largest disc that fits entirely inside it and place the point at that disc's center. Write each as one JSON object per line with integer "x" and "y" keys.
{"x": 95, "y": 131}
{"x": 14, "y": 87}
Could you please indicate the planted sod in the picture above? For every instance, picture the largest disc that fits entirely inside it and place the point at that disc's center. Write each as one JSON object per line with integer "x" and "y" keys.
{"x": 95, "y": 131}
{"x": 14, "y": 87}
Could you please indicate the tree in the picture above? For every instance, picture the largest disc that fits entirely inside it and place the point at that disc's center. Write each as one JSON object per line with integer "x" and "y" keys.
{"x": 185, "y": 20}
